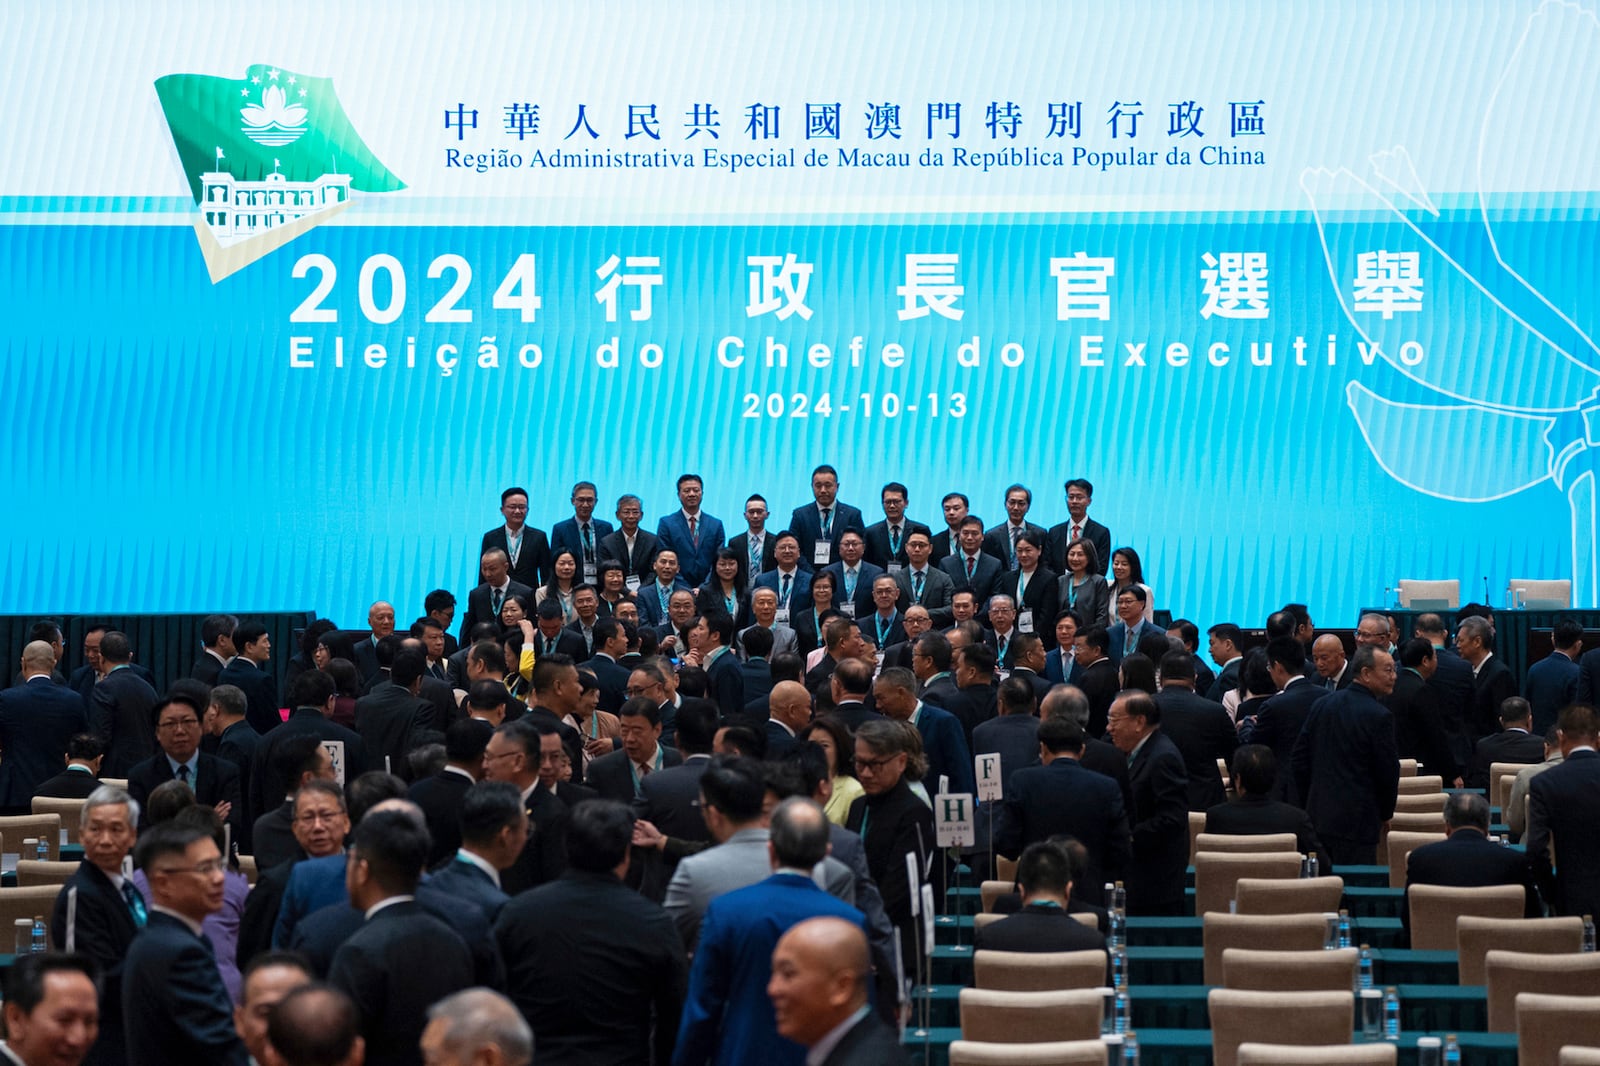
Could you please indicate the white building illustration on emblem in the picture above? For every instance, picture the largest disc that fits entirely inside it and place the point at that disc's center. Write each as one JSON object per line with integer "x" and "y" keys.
{"x": 236, "y": 209}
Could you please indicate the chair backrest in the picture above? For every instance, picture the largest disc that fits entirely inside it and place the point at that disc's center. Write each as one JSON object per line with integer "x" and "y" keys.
{"x": 978, "y": 920}
{"x": 1324, "y": 1055}
{"x": 16, "y": 828}
{"x": 32, "y": 902}
{"x": 1498, "y": 793}
{"x": 1310, "y": 895}
{"x": 70, "y": 812}
{"x": 1197, "y": 825}
{"x": 1043, "y": 971}
{"x": 115, "y": 782}
{"x": 1401, "y": 845}
{"x": 1546, "y": 1024}
{"x": 1005, "y": 869}
{"x": 1303, "y": 1018}
{"x": 1512, "y": 972}
{"x": 1240, "y": 843}
{"x": 1435, "y": 908}
{"x": 1408, "y": 768}
{"x": 990, "y": 891}
{"x": 1500, "y": 787}
{"x": 1547, "y": 594}
{"x": 247, "y": 866}
{"x": 1580, "y": 1056}
{"x": 1057, "y": 1053}
{"x": 1420, "y": 803}
{"x": 33, "y": 872}
{"x": 1262, "y": 932}
{"x": 1407, "y": 822}
{"x": 1215, "y": 873}
{"x": 1030, "y": 1017}
{"x": 1410, "y": 786}
{"x": 1434, "y": 595}
{"x": 1476, "y": 937}
{"x": 1290, "y": 971}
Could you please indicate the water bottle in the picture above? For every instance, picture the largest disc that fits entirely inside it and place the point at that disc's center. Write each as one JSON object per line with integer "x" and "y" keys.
{"x": 38, "y": 945}
{"x": 1452, "y": 1050}
{"x": 1391, "y": 1014}
{"x": 1330, "y": 936}
{"x": 1588, "y": 932}
{"x": 1119, "y": 968}
{"x": 1119, "y": 1016}
{"x": 1119, "y": 899}
{"x": 44, "y": 850}
{"x": 1111, "y": 898}
{"x": 1108, "y": 1020}
{"x": 22, "y": 936}
{"x": 1344, "y": 929}
{"x": 1119, "y": 930}
{"x": 1130, "y": 1049}
{"x": 1428, "y": 1051}
{"x": 1113, "y": 1044}
{"x": 1311, "y": 865}
{"x": 1364, "y": 969}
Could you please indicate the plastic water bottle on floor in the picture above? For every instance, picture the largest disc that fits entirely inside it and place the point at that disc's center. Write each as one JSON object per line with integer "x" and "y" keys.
{"x": 1452, "y": 1050}
{"x": 1391, "y": 1013}
{"x": 1364, "y": 969}
{"x": 38, "y": 946}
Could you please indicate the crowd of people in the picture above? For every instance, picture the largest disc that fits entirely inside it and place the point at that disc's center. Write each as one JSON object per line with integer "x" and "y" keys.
{"x": 667, "y": 797}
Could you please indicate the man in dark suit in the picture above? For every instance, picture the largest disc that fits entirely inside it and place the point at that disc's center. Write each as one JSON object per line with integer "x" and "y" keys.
{"x": 1563, "y": 805}
{"x": 944, "y": 742}
{"x": 790, "y": 707}
{"x": 610, "y": 644}
{"x": 1043, "y": 923}
{"x": 1453, "y": 683}
{"x": 1419, "y": 727}
{"x": 174, "y": 1005}
{"x": 556, "y": 693}
{"x": 1098, "y": 755}
{"x": 439, "y": 796}
{"x": 527, "y": 548}
{"x": 513, "y": 755}
{"x": 215, "y": 781}
{"x": 974, "y": 699}
{"x": 590, "y": 988}
{"x": 922, "y": 583}
{"x": 1079, "y": 526}
{"x": 1253, "y": 811}
{"x": 819, "y": 525}
{"x": 50, "y": 1011}
{"x": 655, "y": 595}
{"x": 1345, "y": 762}
{"x": 970, "y": 568}
{"x": 247, "y": 672}
{"x": 755, "y": 672}
{"x": 1514, "y": 743}
{"x": 236, "y": 742}
{"x": 402, "y": 960}
{"x": 711, "y": 642}
{"x": 618, "y": 776}
{"x": 947, "y": 541}
{"x": 1492, "y": 680}
{"x": 628, "y": 545}
{"x": 216, "y": 638}
{"x": 1130, "y": 627}
{"x": 1202, "y": 730}
{"x": 756, "y": 544}
{"x": 582, "y": 533}
{"x": 311, "y": 694}
{"x": 1552, "y": 682}
{"x": 1000, "y": 541}
{"x": 380, "y": 621}
{"x": 492, "y": 830}
{"x": 120, "y": 709}
{"x": 1014, "y": 733}
{"x": 85, "y": 751}
{"x": 319, "y": 823}
{"x": 691, "y": 533}
{"x": 37, "y": 720}
{"x": 391, "y": 715}
{"x": 886, "y": 540}
{"x": 1467, "y": 858}
{"x": 668, "y": 804}
{"x": 1160, "y": 805}
{"x": 1062, "y": 797}
{"x": 1279, "y": 722}
{"x": 818, "y": 990}
{"x": 484, "y": 602}
{"x": 853, "y": 577}
{"x": 1225, "y": 644}
{"x": 1097, "y": 677}
{"x": 108, "y": 911}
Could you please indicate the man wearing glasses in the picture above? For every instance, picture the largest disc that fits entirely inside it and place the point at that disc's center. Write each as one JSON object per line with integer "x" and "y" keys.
{"x": 215, "y": 781}
{"x": 174, "y": 1003}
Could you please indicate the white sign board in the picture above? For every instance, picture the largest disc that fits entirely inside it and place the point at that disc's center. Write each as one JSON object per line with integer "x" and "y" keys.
{"x": 954, "y": 823}
{"x": 987, "y": 770}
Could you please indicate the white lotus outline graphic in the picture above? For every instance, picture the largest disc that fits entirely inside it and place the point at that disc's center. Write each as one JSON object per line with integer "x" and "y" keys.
{"x": 274, "y": 121}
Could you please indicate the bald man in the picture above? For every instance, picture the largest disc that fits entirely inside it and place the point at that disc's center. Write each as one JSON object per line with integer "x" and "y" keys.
{"x": 818, "y": 990}
{"x": 1333, "y": 669}
{"x": 315, "y": 1024}
{"x": 37, "y": 719}
{"x": 790, "y": 706}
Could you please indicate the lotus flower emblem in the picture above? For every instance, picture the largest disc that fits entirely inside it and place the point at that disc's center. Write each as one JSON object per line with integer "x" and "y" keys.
{"x": 274, "y": 121}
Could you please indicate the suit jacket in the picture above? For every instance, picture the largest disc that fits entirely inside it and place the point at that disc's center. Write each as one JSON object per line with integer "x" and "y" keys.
{"x": 727, "y": 1017}
{"x": 1092, "y": 531}
{"x": 669, "y": 799}
{"x": 866, "y": 574}
{"x": 1038, "y": 596}
{"x": 272, "y": 836}
{"x": 640, "y": 562}
{"x": 1227, "y": 680}
{"x": 1103, "y": 758}
{"x": 206, "y": 668}
{"x": 612, "y": 775}
{"x": 1278, "y": 727}
{"x": 544, "y": 859}
{"x": 937, "y": 588}
{"x": 1037, "y": 929}
{"x": 780, "y": 742}
{"x": 652, "y": 612}
{"x": 69, "y": 784}
{"x": 566, "y": 642}
{"x": 756, "y": 675}
{"x": 267, "y": 786}
{"x": 884, "y": 634}
{"x": 1508, "y": 745}
{"x": 1100, "y": 683}
{"x": 1468, "y": 859}
{"x": 1346, "y": 765}
{"x": 1261, "y": 816}
{"x": 388, "y": 720}
{"x": 532, "y": 565}
{"x": 467, "y": 883}
{"x": 613, "y": 679}
{"x": 725, "y": 684}
{"x": 1494, "y": 685}
{"x": 880, "y": 552}
{"x": 1117, "y": 633}
{"x": 378, "y": 969}
{"x": 853, "y": 712}
{"x": 565, "y": 536}
{"x": 892, "y": 825}
{"x": 215, "y": 781}
{"x": 120, "y": 711}
{"x": 1064, "y": 797}
{"x": 480, "y": 606}
{"x": 1419, "y": 727}
{"x": 104, "y": 928}
{"x": 741, "y": 544}
{"x": 739, "y": 861}
{"x": 1015, "y": 737}
{"x": 1563, "y": 805}
{"x": 1454, "y": 684}
{"x": 237, "y": 745}
{"x": 1092, "y": 599}
{"x": 799, "y": 593}
{"x": 805, "y": 522}
{"x": 1060, "y": 667}
{"x": 1551, "y": 684}
{"x": 260, "y": 691}
{"x": 440, "y": 797}
{"x": 695, "y": 556}
{"x": 1203, "y": 733}
{"x": 175, "y": 1007}
{"x": 1160, "y": 825}
{"x": 589, "y": 962}
{"x": 37, "y": 718}
{"x": 985, "y": 579}
{"x": 972, "y": 706}
{"x": 870, "y": 1042}
{"x": 944, "y": 743}
{"x": 997, "y": 541}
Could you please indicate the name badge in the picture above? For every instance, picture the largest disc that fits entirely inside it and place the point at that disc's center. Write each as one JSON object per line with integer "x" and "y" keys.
{"x": 631, "y": 582}
{"x": 589, "y": 572}
{"x": 822, "y": 553}
{"x": 895, "y": 568}
{"x": 1002, "y": 673}
{"x": 848, "y": 608}
{"x": 1025, "y": 621}
{"x": 782, "y": 617}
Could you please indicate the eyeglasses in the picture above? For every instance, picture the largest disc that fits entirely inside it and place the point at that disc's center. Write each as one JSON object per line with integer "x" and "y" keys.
{"x": 491, "y": 755}
{"x": 876, "y": 764}
{"x": 314, "y": 817}
{"x": 204, "y": 869}
{"x": 180, "y": 723}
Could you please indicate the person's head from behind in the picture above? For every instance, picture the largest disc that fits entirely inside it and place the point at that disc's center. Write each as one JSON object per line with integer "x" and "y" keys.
{"x": 819, "y": 978}
{"x": 389, "y": 850}
{"x": 270, "y": 976}
{"x": 52, "y": 1010}
{"x": 599, "y": 835}
{"x": 799, "y": 834}
{"x": 731, "y": 791}
{"x": 494, "y": 822}
{"x": 1255, "y": 769}
{"x": 314, "y": 1025}
{"x": 1045, "y": 872}
{"x": 476, "y": 1028}
{"x": 1466, "y": 810}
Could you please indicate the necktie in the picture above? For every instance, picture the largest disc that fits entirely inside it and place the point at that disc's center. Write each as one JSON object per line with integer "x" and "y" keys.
{"x": 644, "y": 769}
{"x": 135, "y": 903}
{"x": 588, "y": 544}
{"x": 916, "y": 585}
{"x": 850, "y": 584}
{"x": 495, "y": 599}
{"x": 183, "y": 773}
{"x": 1077, "y": 531}
{"x": 783, "y": 594}
{"x": 827, "y": 523}
{"x": 972, "y": 566}
{"x": 894, "y": 540}
{"x": 755, "y": 555}
{"x": 694, "y": 530}
{"x": 1014, "y": 532}
{"x": 549, "y": 646}
{"x": 1005, "y": 642}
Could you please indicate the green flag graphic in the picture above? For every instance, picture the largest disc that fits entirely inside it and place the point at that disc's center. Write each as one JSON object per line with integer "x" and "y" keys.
{"x": 269, "y": 121}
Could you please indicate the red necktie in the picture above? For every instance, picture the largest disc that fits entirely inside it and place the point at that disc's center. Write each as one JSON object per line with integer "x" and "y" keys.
{"x": 972, "y": 567}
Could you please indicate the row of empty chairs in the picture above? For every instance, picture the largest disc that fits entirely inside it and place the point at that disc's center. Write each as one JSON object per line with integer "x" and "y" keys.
{"x": 1539, "y": 593}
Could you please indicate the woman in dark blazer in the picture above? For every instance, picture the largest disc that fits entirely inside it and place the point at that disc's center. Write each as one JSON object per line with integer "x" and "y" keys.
{"x": 807, "y": 621}
{"x": 722, "y": 591}
{"x": 1036, "y": 612}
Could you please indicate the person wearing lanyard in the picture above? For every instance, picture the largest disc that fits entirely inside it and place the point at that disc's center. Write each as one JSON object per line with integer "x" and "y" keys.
{"x": 618, "y": 776}
{"x": 788, "y": 580}
{"x": 893, "y": 823}
{"x": 1082, "y": 588}
{"x": 808, "y": 626}
{"x": 527, "y": 548}
{"x": 722, "y": 591}
{"x": 886, "y": 619}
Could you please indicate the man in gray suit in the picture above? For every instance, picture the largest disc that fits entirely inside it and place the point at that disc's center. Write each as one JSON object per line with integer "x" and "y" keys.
{"x": 764, "y": 606}
{"x": 732, "y": 791}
